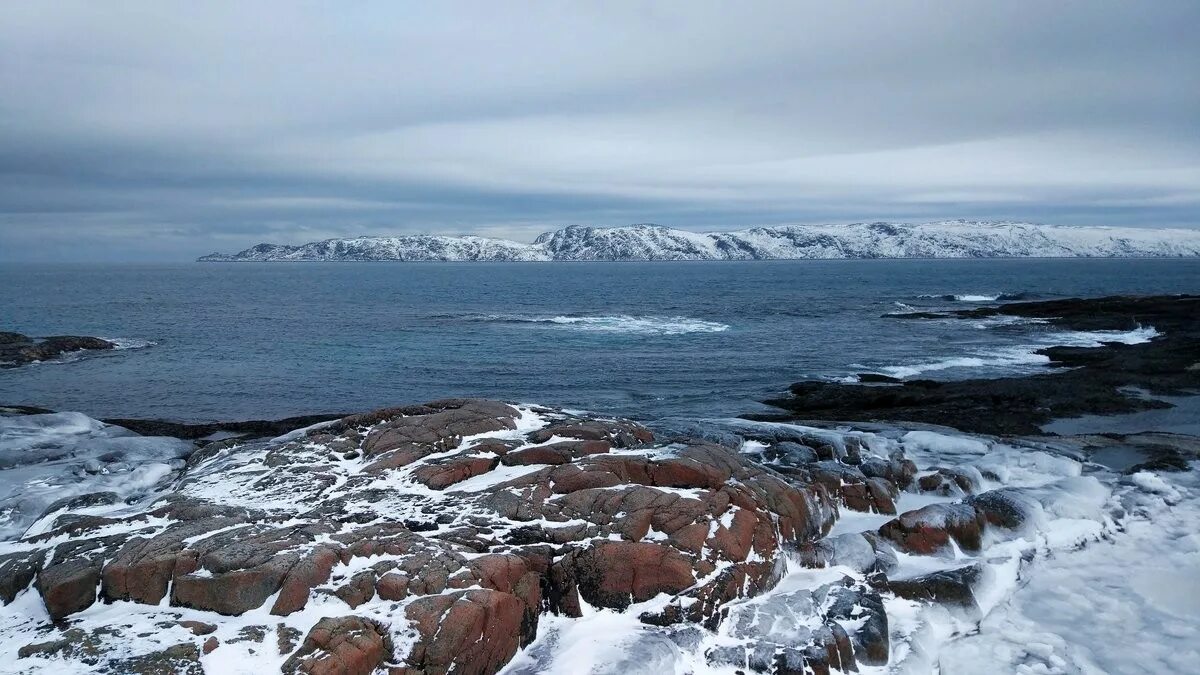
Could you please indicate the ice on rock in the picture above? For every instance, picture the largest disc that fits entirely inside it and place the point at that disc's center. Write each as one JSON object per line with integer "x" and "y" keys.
{"x": 55, "y": 457}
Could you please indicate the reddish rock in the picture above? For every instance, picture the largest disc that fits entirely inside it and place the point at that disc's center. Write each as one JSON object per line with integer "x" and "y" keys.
{"x": 68, "y": 587}
{"x": 442, "y": 475}
{"x": 392, "y": 586}
{"x": 616, "y": 574}
{"x": 198, "y": 627}
{"x": 348, "y": 645}
{"x": 475, "y": 631}
{"x": 210, "y": 644}
{"x": 931, "y": 528}
{"x": 301, "y": 578}
{"x": 556, "y": 453}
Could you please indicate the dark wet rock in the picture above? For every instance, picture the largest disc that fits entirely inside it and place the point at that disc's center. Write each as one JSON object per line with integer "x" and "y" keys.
{"x": 877, "y": 378}
{"x": 17, "y": 349}
{"x": 861, "y": 604}
{"x": 951, "y": 481}
{"x": 802, "y": 631}
{"x": 1085, "y": 380}
{"x": 862, "y": 552}
{"x": 1007, "y": 508}
{"x": 949, "y": 587}
{"x": 17, "y": 571}
{"x": 246, "y": 429}
{"x": 180, "y": 659}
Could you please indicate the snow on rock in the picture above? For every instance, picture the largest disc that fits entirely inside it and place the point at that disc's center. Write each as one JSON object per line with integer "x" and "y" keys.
{"x": 431, "y": 537}
{"x": 477, "y": 536}
{"x": 947, "y": 239}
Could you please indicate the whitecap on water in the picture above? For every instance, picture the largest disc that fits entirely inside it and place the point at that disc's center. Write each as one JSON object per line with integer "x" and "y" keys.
{"x": 640, "y": 325}
{"x": 1019, "y": 356}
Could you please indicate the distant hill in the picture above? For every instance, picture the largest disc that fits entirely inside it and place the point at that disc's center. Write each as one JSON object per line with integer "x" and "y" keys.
{"x": 945, "y": 239}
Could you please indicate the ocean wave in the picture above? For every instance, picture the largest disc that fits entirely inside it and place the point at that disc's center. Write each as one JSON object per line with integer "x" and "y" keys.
{"x": 640, "y": 325}
{"x": 130, "y": 343}
{"x": 616, "y": 323}
{"x": 1002, "y": 320}
{"x": 993, "y": 297}
{"x": 1008, "y": 358}
{"x": 998, "y": 358}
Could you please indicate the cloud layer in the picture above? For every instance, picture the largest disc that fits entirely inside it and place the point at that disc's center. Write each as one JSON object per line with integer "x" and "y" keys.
{"x": 166, "y": 130}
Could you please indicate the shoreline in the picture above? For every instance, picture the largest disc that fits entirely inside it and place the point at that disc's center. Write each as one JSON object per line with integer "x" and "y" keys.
{"x": 1081, "y": 380}
{"x": 378, "y": 539}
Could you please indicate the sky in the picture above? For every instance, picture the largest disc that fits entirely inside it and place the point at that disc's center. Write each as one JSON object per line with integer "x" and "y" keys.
{"x": 148, "y": 131}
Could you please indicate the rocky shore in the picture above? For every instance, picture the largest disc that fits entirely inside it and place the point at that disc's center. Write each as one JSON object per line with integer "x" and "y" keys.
{"x": 1110, "y": 379}
{"x": 432, "y": 538}
{"x": 18, "y": 350}
{"x": 469, "y": 536}
{"x": 474, "y": 536}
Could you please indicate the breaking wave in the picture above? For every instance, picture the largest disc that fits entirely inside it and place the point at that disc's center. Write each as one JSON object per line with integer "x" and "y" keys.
{"x": 617, "y": 323}
{"x": 1023, "y": 355}
{"x": 131, "y": 343}
{"x": 1002, "y": 297}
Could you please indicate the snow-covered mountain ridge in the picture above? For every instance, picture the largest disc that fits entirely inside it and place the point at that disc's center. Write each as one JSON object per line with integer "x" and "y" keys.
{"x": 944, "y": 239}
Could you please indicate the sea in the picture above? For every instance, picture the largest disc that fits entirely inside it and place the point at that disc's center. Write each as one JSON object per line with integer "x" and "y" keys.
{"x": 646, "y": 340}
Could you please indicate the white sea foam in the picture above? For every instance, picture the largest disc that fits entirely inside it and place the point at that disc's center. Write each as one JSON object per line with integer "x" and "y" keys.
{"x": 638, "y": 325}
{"x": 130, "y": 342}
{"x": 609, "y": 323}
{"x": 1015, "y": 357}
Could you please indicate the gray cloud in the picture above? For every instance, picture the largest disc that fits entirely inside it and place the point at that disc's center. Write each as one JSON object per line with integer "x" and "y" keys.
{"x": 166, "y": 130}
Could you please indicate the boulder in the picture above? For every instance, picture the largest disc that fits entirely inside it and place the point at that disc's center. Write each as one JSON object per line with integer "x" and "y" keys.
{"x": 347, "y": 645}
{"x": 930, "y": 529}
{"x": 475, "y": 631}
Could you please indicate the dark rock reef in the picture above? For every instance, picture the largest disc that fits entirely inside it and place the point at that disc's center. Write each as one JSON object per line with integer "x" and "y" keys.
{"x": 18, "y": 350}
{"x": 1084, "y": 380}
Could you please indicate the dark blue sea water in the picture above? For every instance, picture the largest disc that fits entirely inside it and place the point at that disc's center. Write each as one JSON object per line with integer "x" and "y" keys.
{"x": 639, "y": 339}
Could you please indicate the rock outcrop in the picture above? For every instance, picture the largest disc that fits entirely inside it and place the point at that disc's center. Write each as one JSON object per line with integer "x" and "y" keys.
{"x": 18, "y": 350}
{"x": 1097, "y": 380}
{"x": 427, "y": 539}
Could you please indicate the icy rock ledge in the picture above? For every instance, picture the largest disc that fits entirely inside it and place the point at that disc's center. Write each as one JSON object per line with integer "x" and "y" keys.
{"x": 475, "y": 536}
{"x": 421, "y": 540}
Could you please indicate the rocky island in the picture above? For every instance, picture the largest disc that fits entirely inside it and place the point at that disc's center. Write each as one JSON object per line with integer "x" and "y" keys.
{"x": 18, "y": 350}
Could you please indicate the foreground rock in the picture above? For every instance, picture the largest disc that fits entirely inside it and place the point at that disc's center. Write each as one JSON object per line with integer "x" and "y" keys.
{"x": 425, "y": 539}
{"x": 1087, "y": 380}
{"x": 471, "y": 536}
{"x": 18, "y": 350}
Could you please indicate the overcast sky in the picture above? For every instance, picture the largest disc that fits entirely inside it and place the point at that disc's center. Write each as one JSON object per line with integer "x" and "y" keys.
{"x": 163, "y": 131}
